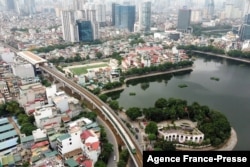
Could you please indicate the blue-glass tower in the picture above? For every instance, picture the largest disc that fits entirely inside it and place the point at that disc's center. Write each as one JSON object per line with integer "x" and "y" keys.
{"x": 125, "y": 17}
{"x": 85, "y": 30}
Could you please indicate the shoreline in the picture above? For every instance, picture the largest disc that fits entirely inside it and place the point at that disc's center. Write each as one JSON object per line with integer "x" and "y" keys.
{"x": 146, "y": 75}
{"x": 229, "y": 145}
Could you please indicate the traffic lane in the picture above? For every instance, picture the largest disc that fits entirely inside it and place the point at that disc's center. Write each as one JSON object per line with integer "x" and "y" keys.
{"x": 111, "y": 138}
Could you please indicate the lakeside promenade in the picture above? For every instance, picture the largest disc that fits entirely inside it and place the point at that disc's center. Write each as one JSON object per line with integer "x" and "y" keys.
{"x": 147, "y": 75}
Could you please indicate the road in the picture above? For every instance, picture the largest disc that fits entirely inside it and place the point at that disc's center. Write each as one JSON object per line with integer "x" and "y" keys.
{"x": 223, "y": 56}
{"x": 111, "y": 138}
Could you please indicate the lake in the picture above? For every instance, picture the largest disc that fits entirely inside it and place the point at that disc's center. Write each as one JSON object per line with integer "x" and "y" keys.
{"x": 229, "y": 95}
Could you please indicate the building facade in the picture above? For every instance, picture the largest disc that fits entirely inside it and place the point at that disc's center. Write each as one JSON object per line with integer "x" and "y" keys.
{"x": 69, "y": 26}
{"x": 145, "y": 16}
{"x": 184, "y": 17}
{"x": 85, "y": 31}
{"x": 125, "y": 17}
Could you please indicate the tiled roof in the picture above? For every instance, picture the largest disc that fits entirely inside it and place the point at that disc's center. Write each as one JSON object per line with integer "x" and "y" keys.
{"x": 40, "y": 144}
{"x": 86, "y": 134}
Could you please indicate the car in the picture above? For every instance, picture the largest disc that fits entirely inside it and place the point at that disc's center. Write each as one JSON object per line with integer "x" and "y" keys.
{"x": 114, "y": 158}
{"x": 137, "y": 130}
{"x": 136, "y": 136}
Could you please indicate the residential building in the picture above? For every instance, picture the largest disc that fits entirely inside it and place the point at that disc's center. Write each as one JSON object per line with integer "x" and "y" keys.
{"x": 100, "y": 14}
{"x": 145, "y": 16}
{"x": 51, "y": 93}
{"x": 69, "y": 26}
{"x": 47, "y": 115}
{"x": 183, "y": 24}
{"x": 27, "y": 141}
{"x": 90, "y": 145}
{"x": 39, "y": 135}
{"x": 23, "y": 70}
{"x": 32, "y": 96}
{"x": 68, "y": 145}
{"x": 8, "y": 137}
{"x": 61, "y": 101}
{"x": 10, "y": 4}
{"x": 125, "y": 17}
{"x": 196, "y": 16}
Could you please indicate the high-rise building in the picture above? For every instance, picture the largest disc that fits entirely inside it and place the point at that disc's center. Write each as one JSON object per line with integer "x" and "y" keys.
{"x": 85, "y": 30}
{"x": 125, "y": 17}
{"x": 100, "y": 13}
{"x": 209, "y": 9}
{"x": 184, "y": 17}
{"x": 145, "y": 16}
{"x": 113, "y": 13}
{"x": 10, "y": 4}
{"x": 196, "y": 16}
{"x": 31, "y": 6}
{"x": 69, "y": 26}
{"x": 79, "y": 4}
{"x": 244, "y": 32}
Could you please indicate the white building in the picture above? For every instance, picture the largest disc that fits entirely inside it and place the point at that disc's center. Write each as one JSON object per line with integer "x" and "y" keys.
{"x": 146, "y": 60}
{"x": 69, "y": 144}
{"x": 32, "y": 96}
{"x": 196, "y": 16}
{"x": 145, "y": 16}
{"x": 23, "y": 70}
{"x": 8, "y": 57}
{"x": 61, "y": 101}
{"x": 39, "y": 135}
{"x": 69, "y": 26}
{"x": 100, "y": 13}
{"x": 47, "y": 116}
{"x": 50, "y": 93}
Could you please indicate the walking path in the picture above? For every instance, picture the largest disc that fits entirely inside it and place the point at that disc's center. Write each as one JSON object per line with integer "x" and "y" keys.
{"x": 15, "y": 125}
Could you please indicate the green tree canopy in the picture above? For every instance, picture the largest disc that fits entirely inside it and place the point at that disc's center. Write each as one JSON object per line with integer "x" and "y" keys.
{"x": 114, "y": 104}
{"x": 133, "y": 113}
{"x": 151, "y": 128}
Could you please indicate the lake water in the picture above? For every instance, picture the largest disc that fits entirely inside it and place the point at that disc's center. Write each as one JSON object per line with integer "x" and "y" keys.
{"x": 230, "y": 95}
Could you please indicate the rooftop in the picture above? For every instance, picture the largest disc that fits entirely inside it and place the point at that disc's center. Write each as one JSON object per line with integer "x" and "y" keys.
{"x": 6, "y": 127}
{"x": 27, "y": 139}
{"x": 72, "y": 163}
{"x": 8, "y": 134}
{"x": 31, "y": 57}
{"x": 63, "y": 137}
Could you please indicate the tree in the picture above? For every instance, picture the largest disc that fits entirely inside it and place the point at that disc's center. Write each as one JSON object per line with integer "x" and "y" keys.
{"x": 121, "y": 163}
{"x": 133, "y": 113}
{"x": 98, "y": 55}
{"x": 114, "y": 104}
{"x": 169, "y": 146}
{"x": 103, "y": 97}
{"x": 100, "y": 163}
{"x": 97, "y": 91}
{"x": 151, "y": 128}
{"x": 161, "y": 103}
{"x": 107, "y": 149}
{"x": 151, "y": 137}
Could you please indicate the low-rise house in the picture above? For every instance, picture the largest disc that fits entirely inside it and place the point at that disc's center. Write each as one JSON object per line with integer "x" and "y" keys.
{"x": 27, "y": 141}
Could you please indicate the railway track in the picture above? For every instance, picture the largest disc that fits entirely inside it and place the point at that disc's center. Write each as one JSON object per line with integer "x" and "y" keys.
{"x": 98, "y": 103}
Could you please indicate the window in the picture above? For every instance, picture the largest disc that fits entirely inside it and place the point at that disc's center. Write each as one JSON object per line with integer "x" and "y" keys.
{"x": 69, "y": 139}
{"x": 70, "y": 143}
